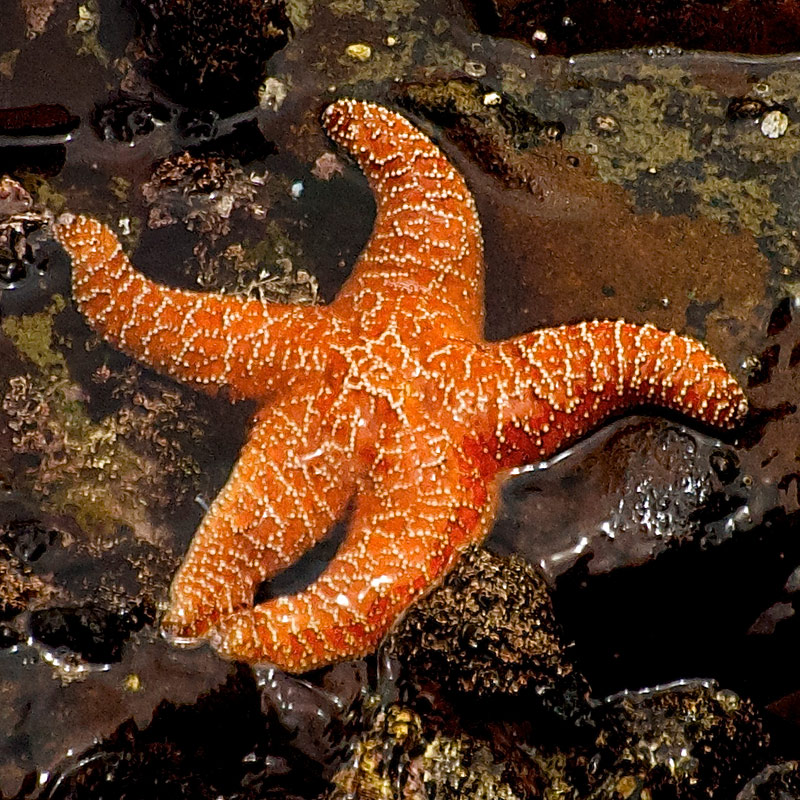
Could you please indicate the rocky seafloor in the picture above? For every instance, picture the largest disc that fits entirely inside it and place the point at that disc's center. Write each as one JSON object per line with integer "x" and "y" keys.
{"x": 629, "y": 629}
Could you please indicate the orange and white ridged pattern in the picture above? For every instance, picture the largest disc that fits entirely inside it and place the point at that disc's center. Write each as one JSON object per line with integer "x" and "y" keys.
{"x": 388, "y": 401}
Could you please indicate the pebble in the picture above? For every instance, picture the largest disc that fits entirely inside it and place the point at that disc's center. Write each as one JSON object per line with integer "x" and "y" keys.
{"x": 774, "y": 124}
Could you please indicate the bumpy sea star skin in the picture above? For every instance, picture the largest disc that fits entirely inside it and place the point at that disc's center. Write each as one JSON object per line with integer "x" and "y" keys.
{"x": 388, "y": 400}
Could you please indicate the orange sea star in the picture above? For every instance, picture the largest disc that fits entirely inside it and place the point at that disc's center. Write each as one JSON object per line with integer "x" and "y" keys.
{"x": 388, "y": 398}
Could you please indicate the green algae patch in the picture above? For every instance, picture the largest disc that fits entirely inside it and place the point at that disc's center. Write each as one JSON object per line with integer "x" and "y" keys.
{"x": 44, "y": 193}
{"x": 87, "y": 468}
{"x": 33, "y": 335}
{"x": 385, "y": 11}
{"x": 668, "y": 138}
{"x": 746, "y": 204}
{"x": 703, "y": 270}
{"x": 383, "y": 64}
{"x": 654, "y": 122}
{"x": 86, "y": 27}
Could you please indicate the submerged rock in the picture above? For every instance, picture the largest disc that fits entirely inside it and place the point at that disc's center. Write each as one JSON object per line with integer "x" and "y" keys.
{"x": 96, "y": 633}
{"x": 125, "y": 117}
{"x": 200, "y": 191}
{"x": 253, "y": 737}
{"x": 494, "y": 128}
{"x": 655, "y": 486}
{"x": 573, "y": 26}
{"x": 212, "y": 55}
{"x": 19, "y": 219}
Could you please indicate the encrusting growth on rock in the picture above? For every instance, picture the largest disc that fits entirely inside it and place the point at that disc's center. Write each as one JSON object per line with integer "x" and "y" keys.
{"x": 389, "y": 397}
{"x": 488, "y": 633}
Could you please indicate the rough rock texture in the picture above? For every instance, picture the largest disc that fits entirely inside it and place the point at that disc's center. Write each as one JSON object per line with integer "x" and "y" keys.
{"x": 201, "y": 191}
{"x": 395, "y": 759}
{"x": 662, "y": 200}
{"x": 210, "y": 54}
{"x": 688, "y": 740}
{"x": 775, "y": 782}
{"x": 488, "y": 634}
{"x": 673, "y": 743}
{"x": 19, "y": 218}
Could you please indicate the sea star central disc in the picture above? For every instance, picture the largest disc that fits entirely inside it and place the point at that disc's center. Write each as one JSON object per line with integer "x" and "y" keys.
{"x": 388, "y": 399}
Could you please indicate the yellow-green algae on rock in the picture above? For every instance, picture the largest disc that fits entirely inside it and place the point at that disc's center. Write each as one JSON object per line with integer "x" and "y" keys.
{"x": 84, "y": 468}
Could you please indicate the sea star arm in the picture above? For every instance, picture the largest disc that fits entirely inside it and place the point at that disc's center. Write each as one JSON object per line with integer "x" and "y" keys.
{"x": 426, "y": 242}
{"x": 406, "y": 533}
{"x": 282, "y": 496}
{"x": 207, "y": 340}
{"x": 554, "y": 385}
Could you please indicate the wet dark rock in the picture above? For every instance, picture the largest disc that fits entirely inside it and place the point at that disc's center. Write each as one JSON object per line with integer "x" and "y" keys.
{"x": 770, "y": 452}
{"x": 46, "y": 160}
{"x": 316, "y": 718}
{"x": 124, "y": 118}
{"x": 242, "y": 140}
{"x": 487, "y": 635}
{"x": 28, "y": 539}
{"x": 196, "y": 751}
{"x": 200, "y": 125}
{"x": 781, "y": 317}
{"x": 688, "y": 612}
{"x": 685, "y": 740}
{"x": 397, "y": 758}
{"x": 58, "y": 713}
{"x": 565, "y": 27}
{"x": 653, "y": 486}
{"x": 775, "y": 782}
{"x": 688, "y": 740}
{"x": 212, "y": 55}
{"x": 37, "y": 123}
{"x": 221, "y": 746}
{"x": 674, "y": 193}
{"x": 8, "y": 636}
{"x": 19, "y": 219}
{"x": 94, "y": 632}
